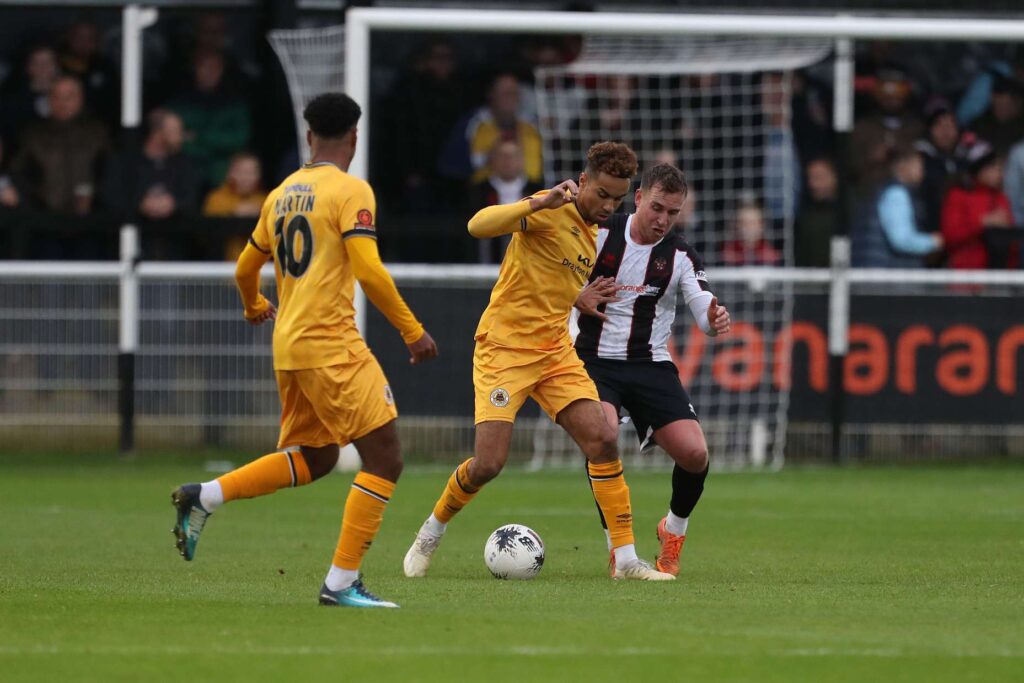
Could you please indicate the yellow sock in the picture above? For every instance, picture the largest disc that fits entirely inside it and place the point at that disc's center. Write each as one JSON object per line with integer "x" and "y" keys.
{"x": 612, "y": 496}
{"x": 364, "y": 510}
{"x": 457, "y": 494}
{"x": 266, "y": 475}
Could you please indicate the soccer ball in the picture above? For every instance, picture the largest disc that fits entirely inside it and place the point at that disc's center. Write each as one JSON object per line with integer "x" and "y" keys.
{"x": 514, "y": 551}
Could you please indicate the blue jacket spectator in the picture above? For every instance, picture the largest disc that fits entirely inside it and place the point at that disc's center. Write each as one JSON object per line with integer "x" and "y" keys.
{"x": 890, "y": 236}
{"x": 1013, "y": 181}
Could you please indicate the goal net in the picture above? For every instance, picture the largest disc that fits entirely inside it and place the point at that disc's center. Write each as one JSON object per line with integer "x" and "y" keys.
{"x": 313, "y": 63}
{"x": 718, "y": 108}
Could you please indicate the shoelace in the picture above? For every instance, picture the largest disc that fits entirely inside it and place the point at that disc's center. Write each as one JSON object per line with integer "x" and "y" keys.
{"x": 427, "y": 543}
{"x": 673, "y": 545}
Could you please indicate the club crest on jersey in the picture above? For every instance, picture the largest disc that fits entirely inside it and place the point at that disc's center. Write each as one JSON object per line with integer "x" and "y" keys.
{"x": 608, "y": 260}
{"x": 660, "y": 264}
{"x": 389, "y": 398}
{"x": 499, "y": 398}
{"x": 364, "y": 219}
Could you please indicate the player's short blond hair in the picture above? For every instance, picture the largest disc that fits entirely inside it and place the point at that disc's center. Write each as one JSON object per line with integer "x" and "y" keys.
{"x": 614, "y": 158}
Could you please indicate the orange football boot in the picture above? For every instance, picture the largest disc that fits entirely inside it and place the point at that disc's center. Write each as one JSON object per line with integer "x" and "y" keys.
{"x": 671, "y": 546}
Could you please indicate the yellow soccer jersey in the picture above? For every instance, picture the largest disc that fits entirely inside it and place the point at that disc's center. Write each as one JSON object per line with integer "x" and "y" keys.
{"x": 303, "y": 224}
{"x": 545, "y": 267}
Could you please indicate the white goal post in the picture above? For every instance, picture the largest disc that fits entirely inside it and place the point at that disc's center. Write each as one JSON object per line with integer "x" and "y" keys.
{"x": 361, "y": 21}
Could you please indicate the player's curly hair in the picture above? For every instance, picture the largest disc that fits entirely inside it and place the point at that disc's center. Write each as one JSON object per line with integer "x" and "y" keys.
{"x": 614, "y": 158}
{"x": 668, "y": 177}
{"x": 332, "y": 114}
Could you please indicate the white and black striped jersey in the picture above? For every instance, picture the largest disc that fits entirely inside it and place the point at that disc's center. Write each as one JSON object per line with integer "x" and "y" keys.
{"x": 649, "y": 279}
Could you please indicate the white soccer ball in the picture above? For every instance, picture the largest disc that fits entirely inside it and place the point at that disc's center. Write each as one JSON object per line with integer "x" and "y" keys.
{"x": 514, "y": 551}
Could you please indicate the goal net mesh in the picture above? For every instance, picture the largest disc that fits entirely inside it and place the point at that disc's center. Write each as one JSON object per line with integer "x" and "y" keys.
{"x": 313, "y": 61}
{"x": 719, "y": 109}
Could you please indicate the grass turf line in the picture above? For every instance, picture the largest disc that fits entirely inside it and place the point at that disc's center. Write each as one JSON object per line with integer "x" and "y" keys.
{"x": 896, "y": 574}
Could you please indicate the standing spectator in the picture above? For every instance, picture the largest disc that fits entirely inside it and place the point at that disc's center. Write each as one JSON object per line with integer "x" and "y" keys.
{"x": 80, "y": 56}
{"x": 217, "y": 122}
{"x": 1013, "y": 183}
{"x": 26, "y": 99}
{"x": 976, "y": 207}
{"x": 417, "y": 117}
{"x": 242, "y": 193}
{"x": 1003, "y": 124}
{"x": 59, "y": 159}
{"x": 890, "y": 236}
{"x": 780, "y": 171}
{"x": 938, "y": 149}
{"x": 874, "y": 137}
{"x": 465, "y": 154}
{"x": 816, "y": 219}
{"x": 750, "y": 248}
{"x": 506, "y": 183}
{"x": 9, "y": 196}
{"x": 159, "y": 181}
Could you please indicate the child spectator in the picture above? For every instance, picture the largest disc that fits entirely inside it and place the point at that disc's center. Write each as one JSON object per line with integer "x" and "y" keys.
{"x": 751, "y": 248}
{"x": 890, "y": 235}
{"x": 975, "y": 208}
{"x": 242, "y": 193}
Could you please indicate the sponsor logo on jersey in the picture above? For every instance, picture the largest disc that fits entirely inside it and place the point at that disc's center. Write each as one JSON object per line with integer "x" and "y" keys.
{"x": 641, "y": 290}
{"x": 585, "y": 261}
{"x": 585, "y": 272}
{"x": 364, "y": 219}
{"x": 499, "y": 398}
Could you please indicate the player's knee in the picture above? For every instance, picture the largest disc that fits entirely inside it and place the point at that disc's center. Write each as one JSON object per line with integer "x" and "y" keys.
{"x": 694, "y": 459}
{"x": 320, "y": 461}
{"x": 604, "y": 447}
{"x": 484, "y": 470}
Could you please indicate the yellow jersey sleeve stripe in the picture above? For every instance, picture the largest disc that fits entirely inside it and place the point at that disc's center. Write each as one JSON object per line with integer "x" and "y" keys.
{"x": 258, "y": 247}
{"x": 359, "y": 232}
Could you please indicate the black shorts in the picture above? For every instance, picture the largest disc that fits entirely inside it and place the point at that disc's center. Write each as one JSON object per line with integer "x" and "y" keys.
{"x": 649, "y": 390}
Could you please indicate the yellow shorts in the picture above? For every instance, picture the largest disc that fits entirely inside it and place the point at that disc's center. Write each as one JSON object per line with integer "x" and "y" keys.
{"x": 503, "y": 379}
{"x": 336, "y": 404}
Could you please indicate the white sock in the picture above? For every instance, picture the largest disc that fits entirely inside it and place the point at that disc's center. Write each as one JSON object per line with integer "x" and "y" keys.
{"x": 211, "y": 495}
{"x": 338, "y": 578}
{"x": 675, "y": 524}
{"x": 434, "y": 525}
{"x": 625, "y": 554}
{"x": 608, "y": 537}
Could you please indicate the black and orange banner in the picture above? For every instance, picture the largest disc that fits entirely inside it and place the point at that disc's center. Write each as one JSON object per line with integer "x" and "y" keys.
{"x": 912, "y": 359}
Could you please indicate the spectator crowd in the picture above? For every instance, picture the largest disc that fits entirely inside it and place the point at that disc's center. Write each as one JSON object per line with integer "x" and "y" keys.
{"x": 933, "y": 172}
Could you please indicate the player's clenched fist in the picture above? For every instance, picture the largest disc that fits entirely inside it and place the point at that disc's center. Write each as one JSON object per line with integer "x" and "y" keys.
{"x": 422, "y": 349}
{"x": 270, "y": 313}
{"x": 561, "y": 194}
{"x": 718, "y": 317}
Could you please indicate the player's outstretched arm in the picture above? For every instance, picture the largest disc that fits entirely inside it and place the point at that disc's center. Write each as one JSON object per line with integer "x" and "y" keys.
{"x": 504, "y": 219}
{"x": 381, "y": 290}
{"x": 258, "y": 309}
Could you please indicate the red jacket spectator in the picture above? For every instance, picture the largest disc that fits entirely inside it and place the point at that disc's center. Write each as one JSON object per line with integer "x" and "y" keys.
{"x": 968, "y": 211}
{"x": 761, "y": 253}
{"x": 963, "y": 225}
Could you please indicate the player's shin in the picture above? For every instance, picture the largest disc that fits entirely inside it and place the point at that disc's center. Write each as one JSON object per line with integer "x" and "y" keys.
{"x": 258, "y": 478}
{"x": 687, "y": 488}
{"x": 612, "y": 496}
{"x": 364, "y": 510}
{"x": 457, "y": 494}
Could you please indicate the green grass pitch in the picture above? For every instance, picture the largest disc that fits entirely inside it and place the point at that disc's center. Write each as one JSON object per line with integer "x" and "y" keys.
{"x": 857, "y": 574}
